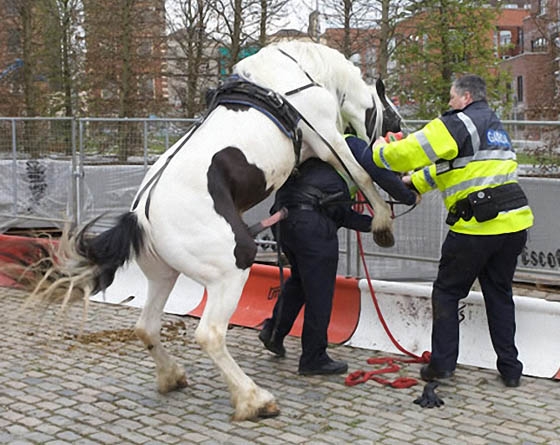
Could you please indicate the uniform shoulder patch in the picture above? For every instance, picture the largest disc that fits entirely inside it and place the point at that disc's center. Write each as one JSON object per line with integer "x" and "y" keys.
{"x": 498, "y": 137}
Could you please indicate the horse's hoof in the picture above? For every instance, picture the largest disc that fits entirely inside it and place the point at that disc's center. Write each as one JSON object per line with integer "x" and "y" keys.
{"x": 384, "y": 238}
{"x": 182, "y": 382}
{"x": 179, "y": 382}
{"x": 269, "y": 410}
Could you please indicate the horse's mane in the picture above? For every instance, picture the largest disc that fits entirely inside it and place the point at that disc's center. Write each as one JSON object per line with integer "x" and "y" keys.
{"x": 378, "y": 126}
{"x": 325, "y": 65}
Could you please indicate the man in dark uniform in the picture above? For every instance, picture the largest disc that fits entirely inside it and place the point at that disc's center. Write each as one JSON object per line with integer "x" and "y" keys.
{"x": 319, "y": 203}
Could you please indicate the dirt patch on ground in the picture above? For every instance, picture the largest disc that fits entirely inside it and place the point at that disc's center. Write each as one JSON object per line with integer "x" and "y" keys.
{"x": 171, "y": 330}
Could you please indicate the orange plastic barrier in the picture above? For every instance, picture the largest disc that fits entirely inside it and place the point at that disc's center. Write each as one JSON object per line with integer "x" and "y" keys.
{"x": 16, "y": 249}
{"x": 261, "y": 292}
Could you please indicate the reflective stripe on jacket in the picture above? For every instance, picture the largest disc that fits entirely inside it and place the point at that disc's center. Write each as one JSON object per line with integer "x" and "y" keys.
{"x": 459, "y": 153}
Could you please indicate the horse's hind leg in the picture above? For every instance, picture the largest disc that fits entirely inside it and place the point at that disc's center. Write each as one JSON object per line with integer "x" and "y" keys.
{"x": 249, "y": 400}
{"x": 170, "y": 375}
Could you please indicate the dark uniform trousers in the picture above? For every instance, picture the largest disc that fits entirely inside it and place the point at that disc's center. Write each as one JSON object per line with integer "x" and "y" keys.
{"x": 491, "y": 258}
{"x": 309, "y": 241}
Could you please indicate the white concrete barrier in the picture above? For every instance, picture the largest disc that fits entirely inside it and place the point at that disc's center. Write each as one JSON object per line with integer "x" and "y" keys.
{"x": 130, "y": 287}
{"x": 407, "y": 311}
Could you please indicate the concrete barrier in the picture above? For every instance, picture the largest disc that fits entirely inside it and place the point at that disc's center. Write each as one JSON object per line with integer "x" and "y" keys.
{"x": 355, "y": 321}
{"x": 407, "y": 310}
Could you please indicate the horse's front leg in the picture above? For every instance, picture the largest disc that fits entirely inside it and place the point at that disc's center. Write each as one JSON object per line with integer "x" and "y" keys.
{"x": 169, "y": 374}
{"x": 249, "y": 400}
{"x": 382, "y": 225}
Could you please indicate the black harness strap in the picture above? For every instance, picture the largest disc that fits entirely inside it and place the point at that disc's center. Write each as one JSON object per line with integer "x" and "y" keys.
{"x": 297, "y": 90}
{"x": 239, "y": 92}
{"x": 154, "y": 179}
{"x": 236, "y": 91}
{"x": 304, "y": 87}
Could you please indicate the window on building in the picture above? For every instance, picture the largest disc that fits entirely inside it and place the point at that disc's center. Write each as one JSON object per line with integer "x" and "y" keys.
{"x": 519, "y": 88}
{"x": 542, "y": 5}
{"x": 145, "y": 48}
{"x": 539, "y": 45}
{"x": 505, "y": 38}
{"x": 146, "y": 89}
{"x": 11, "y": 7}
{"x": 504, "y": 44}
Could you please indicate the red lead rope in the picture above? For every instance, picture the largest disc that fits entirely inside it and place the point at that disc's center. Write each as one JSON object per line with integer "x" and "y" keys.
{"x": 361, "y": 376}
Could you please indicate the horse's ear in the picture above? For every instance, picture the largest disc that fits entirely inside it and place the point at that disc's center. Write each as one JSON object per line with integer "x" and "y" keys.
{"x": 380, "y": 86}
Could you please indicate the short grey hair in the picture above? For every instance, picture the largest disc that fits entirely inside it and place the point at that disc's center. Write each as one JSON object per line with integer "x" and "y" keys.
{"x": 473, "y": 84}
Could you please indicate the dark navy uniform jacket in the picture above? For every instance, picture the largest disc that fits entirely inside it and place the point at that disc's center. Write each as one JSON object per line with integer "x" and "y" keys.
{"x": 316, "y": 181}
{"x": 386, "y": 179}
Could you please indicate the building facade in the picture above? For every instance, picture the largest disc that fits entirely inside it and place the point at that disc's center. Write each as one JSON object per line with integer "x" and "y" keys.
{"x": 535, "y": 68}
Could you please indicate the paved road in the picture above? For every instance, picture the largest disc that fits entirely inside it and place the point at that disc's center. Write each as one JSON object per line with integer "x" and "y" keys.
{"x": 56, "y": 388}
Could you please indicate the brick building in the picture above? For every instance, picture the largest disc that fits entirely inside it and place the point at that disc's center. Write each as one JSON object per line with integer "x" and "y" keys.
{"x": 125, "y": 58}
{"x": 535, "y": 69}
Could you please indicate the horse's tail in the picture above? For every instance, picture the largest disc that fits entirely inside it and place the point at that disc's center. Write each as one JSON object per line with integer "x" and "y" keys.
{"x": 80, "y": 264}
{"x": 105, "y": 253}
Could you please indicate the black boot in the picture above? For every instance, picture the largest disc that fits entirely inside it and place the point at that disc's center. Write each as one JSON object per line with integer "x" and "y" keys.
{"x": 275, "y": 345}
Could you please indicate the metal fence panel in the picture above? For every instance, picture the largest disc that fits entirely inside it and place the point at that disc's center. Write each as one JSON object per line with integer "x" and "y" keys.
{"x": 57, "y": 170}
{"x": 36, "y": 163}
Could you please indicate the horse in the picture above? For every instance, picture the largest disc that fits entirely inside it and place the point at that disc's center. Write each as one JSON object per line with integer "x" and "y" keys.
{"x": 187, "y": 215}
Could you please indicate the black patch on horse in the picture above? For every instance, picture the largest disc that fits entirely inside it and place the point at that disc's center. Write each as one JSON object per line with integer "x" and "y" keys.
{"x": 235, "y": 186}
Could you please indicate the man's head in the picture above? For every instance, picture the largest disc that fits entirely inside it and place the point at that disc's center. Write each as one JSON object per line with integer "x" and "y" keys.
{"x": 465, "y": 90}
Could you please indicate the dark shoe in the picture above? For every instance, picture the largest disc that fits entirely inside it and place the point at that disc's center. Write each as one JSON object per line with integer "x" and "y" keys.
{"x": 511, "y": 382}
{"x": 428, "y": 374}
{"x": 265, "y": 335}
{"x": 330, "y": 367}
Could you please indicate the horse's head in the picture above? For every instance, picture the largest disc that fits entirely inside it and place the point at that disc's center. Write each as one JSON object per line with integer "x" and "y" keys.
{"x": 383, "y": 117}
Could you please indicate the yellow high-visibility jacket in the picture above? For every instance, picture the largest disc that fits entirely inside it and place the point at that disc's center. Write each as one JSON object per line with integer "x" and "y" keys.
{"x": 460, "y": 152}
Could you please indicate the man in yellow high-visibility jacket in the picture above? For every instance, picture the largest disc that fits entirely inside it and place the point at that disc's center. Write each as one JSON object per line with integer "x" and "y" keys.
{"x": 467, "y": 155}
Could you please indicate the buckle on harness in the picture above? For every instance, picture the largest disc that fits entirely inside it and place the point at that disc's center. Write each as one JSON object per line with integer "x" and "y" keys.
{"x": 275, "y": 99}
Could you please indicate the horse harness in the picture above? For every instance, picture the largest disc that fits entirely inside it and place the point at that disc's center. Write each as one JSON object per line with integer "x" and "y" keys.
{"x": 236, "y": 91}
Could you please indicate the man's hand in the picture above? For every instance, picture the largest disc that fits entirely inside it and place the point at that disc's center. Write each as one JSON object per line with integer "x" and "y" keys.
{"x": 379, "y": 142}
{"x": 392, "y": 137}
{"x": 407, "y": 180}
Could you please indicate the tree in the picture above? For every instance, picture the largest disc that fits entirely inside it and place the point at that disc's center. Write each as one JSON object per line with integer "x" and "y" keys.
{"x": 271, "y": 12}
{"x": 19, "y": 17}
{"x": 443, "y": 38}
{"x": 351, "y": 29}
{"x": 238, "y": 21}
{"x": 63, "y": 53}
{"x": 125, "y": 43}
{"x": 368, "y": 31}
{"x": 191, "y": 53}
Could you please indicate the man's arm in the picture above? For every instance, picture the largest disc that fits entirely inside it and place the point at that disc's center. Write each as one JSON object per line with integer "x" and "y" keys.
{"x": 417, "y": 150}
{"x": 387, "y": 180}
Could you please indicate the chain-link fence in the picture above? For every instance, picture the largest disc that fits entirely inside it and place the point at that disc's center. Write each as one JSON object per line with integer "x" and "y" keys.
{"x": 57, "y": 170}
{"x": 61, "y": 170}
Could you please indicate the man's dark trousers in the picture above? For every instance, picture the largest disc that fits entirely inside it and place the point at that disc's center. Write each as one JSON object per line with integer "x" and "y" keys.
{"x": 309, "y": 241}
{"x": 491, "y": 258}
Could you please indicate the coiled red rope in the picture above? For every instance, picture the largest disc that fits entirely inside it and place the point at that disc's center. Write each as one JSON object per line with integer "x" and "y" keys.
{"x": 361, "y": 376}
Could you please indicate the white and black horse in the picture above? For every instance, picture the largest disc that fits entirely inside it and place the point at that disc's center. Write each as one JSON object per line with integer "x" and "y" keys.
{"x": 187, "y": 215}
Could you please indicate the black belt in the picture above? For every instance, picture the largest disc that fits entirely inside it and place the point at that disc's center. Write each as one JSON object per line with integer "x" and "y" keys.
{"x": 487, "y": 203}
{"x": 302, "y": 207}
